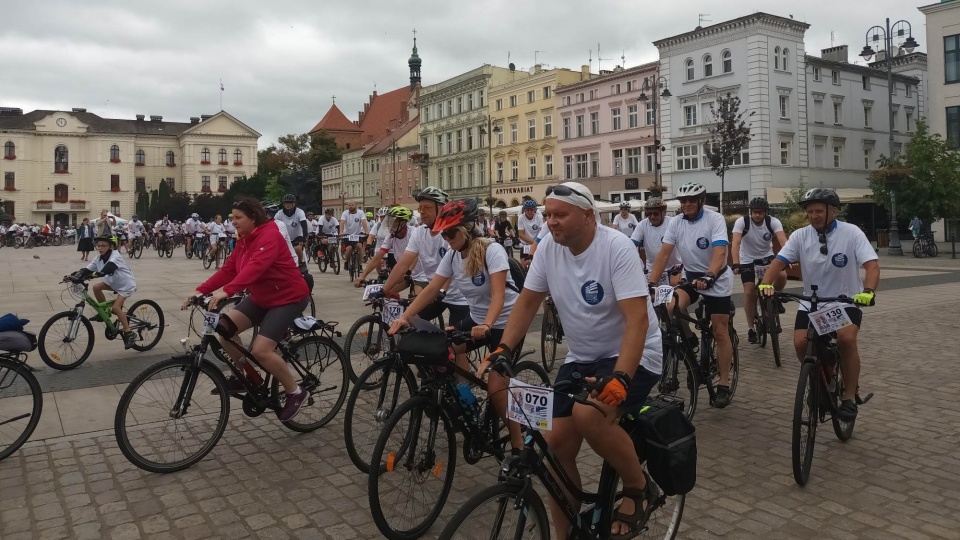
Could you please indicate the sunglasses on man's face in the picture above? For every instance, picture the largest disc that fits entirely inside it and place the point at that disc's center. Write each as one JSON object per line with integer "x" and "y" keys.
{"x": 566, "y": 191}
{"x": 687, "y": 200}
{"x": 822, "y": 238}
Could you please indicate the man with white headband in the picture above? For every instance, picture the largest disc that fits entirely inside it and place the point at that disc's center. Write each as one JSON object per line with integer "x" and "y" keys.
{"x": 591, "y": 273}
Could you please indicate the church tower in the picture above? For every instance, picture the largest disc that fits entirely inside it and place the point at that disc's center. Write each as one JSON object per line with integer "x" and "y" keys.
{"x": 414, "y": 64}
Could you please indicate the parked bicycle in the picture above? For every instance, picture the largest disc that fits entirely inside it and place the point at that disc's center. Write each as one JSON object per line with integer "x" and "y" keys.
{"x": 820, "y": 386}
{"x": 21, "y": 399}
{"x": 66, "y": 339}
{"x": 925, "y": 246}
{"x": 174, "y": 413}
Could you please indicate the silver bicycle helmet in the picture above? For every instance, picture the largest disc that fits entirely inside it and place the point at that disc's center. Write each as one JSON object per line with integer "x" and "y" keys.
{"x": 434, "y": 194}
{"x": 383, "y": 211}
{"x": 691, "y": 189}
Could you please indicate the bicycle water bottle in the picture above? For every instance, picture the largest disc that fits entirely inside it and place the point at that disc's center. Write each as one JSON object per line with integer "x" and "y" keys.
{"x": 468, "y": 402}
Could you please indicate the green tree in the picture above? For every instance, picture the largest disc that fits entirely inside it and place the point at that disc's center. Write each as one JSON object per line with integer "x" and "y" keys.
{"x": 209, "y": 205}
{"x": 729, "y": 135}
{"x": 926, "y": 178}
{"x": 254, "y": 186}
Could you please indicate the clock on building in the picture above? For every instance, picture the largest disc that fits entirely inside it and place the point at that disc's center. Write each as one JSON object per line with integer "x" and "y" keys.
{"x": 61, "y": 122}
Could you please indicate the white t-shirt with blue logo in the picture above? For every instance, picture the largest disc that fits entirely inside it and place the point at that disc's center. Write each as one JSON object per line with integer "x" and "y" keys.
{"x": 650, "y": 238}
{"x": 838, "y": 272}
{"x": 695, "y": 241}
{"x": 586, "y": 289}
{"x": 758, "y": 242}
{"x": 292, "y": 222}
{"x": 530, "y": 226}
{"x": 626, "y": 225}
{"x": 476, "y": 289}
{"x": 430, "y": 249}
{"x": 353, "y": 223}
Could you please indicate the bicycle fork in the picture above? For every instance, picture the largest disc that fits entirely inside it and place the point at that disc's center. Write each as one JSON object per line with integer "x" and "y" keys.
{"x": 74, "y": 325}
{"x": 190, "y": 377}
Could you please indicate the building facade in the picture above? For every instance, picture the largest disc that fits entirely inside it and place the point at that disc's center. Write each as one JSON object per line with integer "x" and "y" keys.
{"x": 64, "y": 166}
{"x": 606, "y": 134}
{"x": 524, "y": 156}
{"x": 454, "y": 130}
{"x": 354, "y": 175}
{"x": 332, "y": 194}
{"x": 399, "y": 175}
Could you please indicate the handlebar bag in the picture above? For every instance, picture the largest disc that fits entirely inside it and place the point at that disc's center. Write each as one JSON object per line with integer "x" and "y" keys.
{"x": 427, "y": 344}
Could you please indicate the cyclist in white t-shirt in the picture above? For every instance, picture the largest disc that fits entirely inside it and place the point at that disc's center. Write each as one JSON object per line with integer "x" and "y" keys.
{"x": 296, "y": 222}
{"x": 591, "y": 273}
{"x": 190, "y": 227}
{"x": 216, "y": 230}
{"x": 831, "y": 253}
{"x": 529, "y": 224}
{"x": 648, "y": 236}
{"x": 753, "y": 236}
{"x": 625, "y": 222}
{"x": 353, "y": 229}
{"x": 700, "y": 237}
{"x": 396, "y": 222}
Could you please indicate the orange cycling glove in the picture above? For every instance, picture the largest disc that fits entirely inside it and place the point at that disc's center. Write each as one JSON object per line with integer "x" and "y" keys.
{"x": 612, "y": 389}
{"x": 499, "y": 355}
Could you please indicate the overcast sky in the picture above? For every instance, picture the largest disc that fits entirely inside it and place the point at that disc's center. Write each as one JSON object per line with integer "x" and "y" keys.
{"x": 281, "y": 60}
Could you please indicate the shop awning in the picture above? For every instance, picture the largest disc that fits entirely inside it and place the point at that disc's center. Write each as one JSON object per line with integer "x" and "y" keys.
{"x": 847, "y": 195}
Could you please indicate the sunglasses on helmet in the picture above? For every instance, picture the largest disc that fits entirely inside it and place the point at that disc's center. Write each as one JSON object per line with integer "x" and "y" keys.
{"x": 566, "y": 191}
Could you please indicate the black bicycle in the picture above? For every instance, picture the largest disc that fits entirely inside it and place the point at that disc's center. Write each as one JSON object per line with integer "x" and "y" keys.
{"x": 415, "y": 457}
{"x": 680, "y": 374}
{"x": 20, "y": 392}
{"x": 820, "y": 386}
{"x": 925, "y": 246}
{"x": 514, "y": 509}
{"x": 766, "y": 322}
{"x": 551, "y": 334}
{"x": 328, "y": 254}
{"x": 174, "y": 412}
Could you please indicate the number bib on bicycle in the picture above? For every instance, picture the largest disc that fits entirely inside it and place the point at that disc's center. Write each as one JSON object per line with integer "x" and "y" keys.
{"x": 529, "y": 405}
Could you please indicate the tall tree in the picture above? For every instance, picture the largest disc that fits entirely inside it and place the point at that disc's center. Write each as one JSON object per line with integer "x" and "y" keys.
{"x": 926, "y": 178}
{"x": 729, "y": 135}
{"x": 254, "y": 186}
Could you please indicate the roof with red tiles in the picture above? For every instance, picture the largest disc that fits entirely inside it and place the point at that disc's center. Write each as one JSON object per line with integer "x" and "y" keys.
{"x": 387, "y": 141}
{"x": 335, "y": 121}
{"x": 384, "y": 112}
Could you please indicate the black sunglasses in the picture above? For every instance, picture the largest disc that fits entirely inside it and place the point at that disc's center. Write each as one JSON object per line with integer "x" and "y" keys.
{"x": 566, "y": 191}
{"x": 449, "y": 234}
{"x": 823, "y": 240}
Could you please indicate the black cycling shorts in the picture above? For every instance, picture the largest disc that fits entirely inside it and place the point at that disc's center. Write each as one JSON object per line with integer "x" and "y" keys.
{"x": 275, "y": 321}
{"x": 643, "y": 381}
{"x": 803, "y": 317}
{"x": 713, "y": 305}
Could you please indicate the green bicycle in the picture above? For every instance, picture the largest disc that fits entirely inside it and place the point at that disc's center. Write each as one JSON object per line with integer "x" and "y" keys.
{"x": 66, "y": 339}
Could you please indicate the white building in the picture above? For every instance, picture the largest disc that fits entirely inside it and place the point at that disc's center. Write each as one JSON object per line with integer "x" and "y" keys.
{"x": 819, "y": 120}
{"x": 64, "y": 166}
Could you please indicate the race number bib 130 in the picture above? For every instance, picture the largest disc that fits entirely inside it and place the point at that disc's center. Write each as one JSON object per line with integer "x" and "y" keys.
{"x": 830, "y": 320}
{"x": 391, "y": 312}
{"x": 210, "y": 320}
{"x": 529, "y": 405}
{"x": 354, "y": 238}
{"x": 369, "y": 289}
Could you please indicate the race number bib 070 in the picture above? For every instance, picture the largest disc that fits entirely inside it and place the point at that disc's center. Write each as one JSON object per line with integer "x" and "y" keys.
{"x": 830, "y": 320}
{"x": 391, "y": 312}
{"x": 529, "y": 405}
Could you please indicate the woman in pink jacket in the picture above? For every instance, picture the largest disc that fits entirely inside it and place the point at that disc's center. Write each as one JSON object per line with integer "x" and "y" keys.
{"x": 260, "y": 264}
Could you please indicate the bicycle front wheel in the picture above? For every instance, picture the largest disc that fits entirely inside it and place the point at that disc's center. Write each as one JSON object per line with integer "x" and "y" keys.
{"x": 548, "y": 338}
{"x": 65, "y": 341}
{"x": 146, "y": 321}
{"x": 172, "y": 415}
{"x": 335, "y": 261}
{"x": 412, "y": 469}
{"x": 805, "y": 422}
{"x": 366, "y": 341}
{"x": 843, "y": 428}
{"x": 372, "y": 400}
{"x": 773, "y": 326}
{"x": 500, "y": 512}
{"x": 325, "y": 379}
{"x": 21, "y": 402}
{"x": 679, "y": 378}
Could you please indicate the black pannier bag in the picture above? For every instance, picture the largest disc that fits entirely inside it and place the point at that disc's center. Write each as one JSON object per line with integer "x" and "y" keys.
{"x": 666, "y": 439}
{"x": 426, "y": 344}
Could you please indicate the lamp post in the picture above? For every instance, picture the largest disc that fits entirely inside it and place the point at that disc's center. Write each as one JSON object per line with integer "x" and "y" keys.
{"x": 899, "y": 29}
{"x": 489, "y": 131}
{"x": 393, "y": 152}
{"x": 660, "y": 82}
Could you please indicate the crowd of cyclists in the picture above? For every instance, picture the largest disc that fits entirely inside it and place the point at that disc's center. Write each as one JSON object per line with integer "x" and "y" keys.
{"x": 457, "y": 261}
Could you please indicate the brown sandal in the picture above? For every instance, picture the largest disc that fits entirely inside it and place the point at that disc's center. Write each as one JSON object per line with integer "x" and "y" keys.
{"x": 638, "y": 519}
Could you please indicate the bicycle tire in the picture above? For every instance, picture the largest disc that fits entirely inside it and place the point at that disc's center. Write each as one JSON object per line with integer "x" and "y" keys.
{"x": 52, "y": 355}
{"x": 359, "y": 432}
{"x": 773, "y": 324}
{"x": 322, "y": 263}
{"x": 530, "y": 516}
{"x": 365, "y": 341}
{"x": 11, "y": 414}
{"x": 548, "y": 338}
{"x": 424, "y": 471}
{"x": 806, "y": 400}
{"x": 188, "y": 251}
{"x": 207, "y": 262}
{"x": 531, "y": 372}
{"x": 180, "y": 368}
{"x": 169, "y": 248}
{"x": 760, "y": 323}
{"x": 137, "y": 249}
{"x": 56, "y": 241}
{"x": 932, "y": 249}
{"x": 843, "y": 429}
{"x": 918, "y": 251}
{"x": 734, "y": 358}
{"x": 664, "y": 522}
{"x": 139, "y": 312}
{"x": 327, "y": 394}
{"x": 672, "y": 382}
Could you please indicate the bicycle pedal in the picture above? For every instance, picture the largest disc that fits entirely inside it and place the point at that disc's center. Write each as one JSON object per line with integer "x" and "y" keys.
{"x": 863, "y": 401}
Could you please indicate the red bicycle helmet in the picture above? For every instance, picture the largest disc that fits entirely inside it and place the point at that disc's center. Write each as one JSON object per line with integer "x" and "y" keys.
{"x": 456, "y": 213}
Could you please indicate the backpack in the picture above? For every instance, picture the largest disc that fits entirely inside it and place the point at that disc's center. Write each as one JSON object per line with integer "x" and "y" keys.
{"x": 773, "y": 236}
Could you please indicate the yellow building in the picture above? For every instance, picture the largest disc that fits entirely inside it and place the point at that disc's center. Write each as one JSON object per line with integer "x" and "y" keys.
{"x": 524, "y": 154}
{"x": 64, "y": 166}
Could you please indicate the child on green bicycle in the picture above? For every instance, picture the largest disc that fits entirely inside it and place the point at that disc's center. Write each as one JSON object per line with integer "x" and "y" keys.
{"x": 117, "y": 277}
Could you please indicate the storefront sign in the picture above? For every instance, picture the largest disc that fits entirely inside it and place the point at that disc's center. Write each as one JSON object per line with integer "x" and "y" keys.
{"x": 514, "y": 190}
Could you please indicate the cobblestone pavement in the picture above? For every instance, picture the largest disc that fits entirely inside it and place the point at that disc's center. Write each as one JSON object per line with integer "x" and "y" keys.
{"x": 898, "y": 477}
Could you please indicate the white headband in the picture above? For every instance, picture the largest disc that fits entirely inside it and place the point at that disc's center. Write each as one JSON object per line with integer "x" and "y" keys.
{"x": 585, "y": 201}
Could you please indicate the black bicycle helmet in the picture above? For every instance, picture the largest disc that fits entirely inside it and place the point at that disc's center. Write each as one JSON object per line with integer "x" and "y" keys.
{"x": 289, "y": 197}
{"x": 820, "y": 194}
{"x": 759, "y": 203}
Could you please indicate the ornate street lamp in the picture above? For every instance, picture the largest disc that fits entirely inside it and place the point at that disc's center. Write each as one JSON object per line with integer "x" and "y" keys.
{"x": 490, "y": 130}
{"x": 660, "y": 82}
{"x": 887, "y": 34}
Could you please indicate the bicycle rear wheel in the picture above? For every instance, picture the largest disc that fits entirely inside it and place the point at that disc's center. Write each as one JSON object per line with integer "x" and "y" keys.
{"x": 548, "y": 337}
{"x": 146, "y": 321}
{"x": 805, "y": 422}
{"x": 372, "y": 400}
{"x": 148, "y": 432}
{"x": 503, "y": 511}
{"x": 326, "y": 380}
{"x": 366, "y": 341}
{"x": 57, "y": 348}
{"x": 679, "y": 378}
{"x": 412, "y": 469}
{"x": 21, "y": 403}
{"x": 843, "y": 429}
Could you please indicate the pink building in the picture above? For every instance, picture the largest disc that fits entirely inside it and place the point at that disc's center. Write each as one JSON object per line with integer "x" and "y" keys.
{"x": 400, "y": 160}
{"x": 606, "y": 134}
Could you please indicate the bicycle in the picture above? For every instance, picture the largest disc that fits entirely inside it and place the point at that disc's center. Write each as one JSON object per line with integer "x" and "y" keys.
{"x": 925, "y": 246}
{"x": 513, "y": 507}
{"x": 354, "y": 264}
{"x": 418, "y": 441}
{"x": 211, "y": 258}
{"x": 20, "y": 394}
{"x": 165, "y": 245}
{"x": 766, "y": 322}
{"x": 136, "y": 250}
{"x": 198, "y": 246}
{"x": 63, "y": 334}
{"x": 551, "y": 334}
{"x": 677, "y": 354}
{"x": 195, "y": 402}
{"x": 820, "y": 386}
{"x": 330, "y": 246}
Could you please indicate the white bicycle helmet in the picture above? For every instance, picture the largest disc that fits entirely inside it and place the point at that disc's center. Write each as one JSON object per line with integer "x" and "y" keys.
{"x": 691, "y": 189}
{"x": 383, "y": 211}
